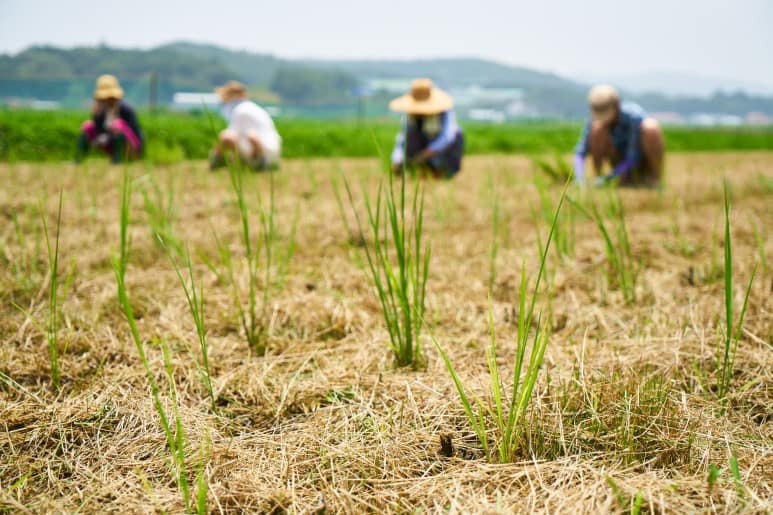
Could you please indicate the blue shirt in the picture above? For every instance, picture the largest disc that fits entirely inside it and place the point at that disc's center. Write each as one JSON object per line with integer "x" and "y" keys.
{"x": 442, "y": 126}
{"x": 626, "y": 135}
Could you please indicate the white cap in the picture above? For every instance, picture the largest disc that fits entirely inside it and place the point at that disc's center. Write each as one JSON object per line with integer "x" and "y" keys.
{"x": 602, "y": 98}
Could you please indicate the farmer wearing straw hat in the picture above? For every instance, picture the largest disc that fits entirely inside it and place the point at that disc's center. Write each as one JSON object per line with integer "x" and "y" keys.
{"x": 251, "y": 132}
{"x": 430, "y": 137}
{"x": 622, "y": 134}
{"x": 113, "y": 127}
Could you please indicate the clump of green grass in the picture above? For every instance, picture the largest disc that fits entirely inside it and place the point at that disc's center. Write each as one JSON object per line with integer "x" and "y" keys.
{"x": 623, "y": 267}
{"x": 52, "y": 325}
{"x": 564, "y": 236}
{"x": 175, "y": 438}
{"x": 509, "y": 415}
{"x": 759, "y": 239}
{"x": 22, "y": 259}
{"x": 195, "y": 300}
{"x": 496, "y": 229}
{"x": 398, "y": 261}
{"x": 631, "y": 504}
{"x": 728, "y": 344}
{"x": 161, "y": 211}
{"x": 353, "y": 239}
{"x": 558, "y": 170}
{"x": 177, "y": 447}
{"x": 253, "y": 319}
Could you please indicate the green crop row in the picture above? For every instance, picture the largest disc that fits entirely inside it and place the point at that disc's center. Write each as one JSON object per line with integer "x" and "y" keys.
{"x": 172, "y": 137}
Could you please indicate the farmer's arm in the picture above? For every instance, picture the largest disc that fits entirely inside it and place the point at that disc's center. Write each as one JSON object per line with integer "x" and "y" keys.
{"x": 398, "y": 152}
{"x": 580, "y": 151}
{"x": 98, "y": 115}
{"x": 130, "y": 117}
{"x": 632, "y": 155}
{"x": 446, "y": 136}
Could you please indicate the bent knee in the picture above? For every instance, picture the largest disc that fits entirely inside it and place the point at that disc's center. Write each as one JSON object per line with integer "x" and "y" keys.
{"x": 118, "y": 126}
{"x": 228, "y": 137}
{"x": 651, "y": 126}
{"x": 253, "y": 137}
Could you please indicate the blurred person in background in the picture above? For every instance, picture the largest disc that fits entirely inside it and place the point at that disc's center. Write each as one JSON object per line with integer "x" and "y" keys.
{"x": 250, "y": 135}
{"x": 620, "y": 133}
{"x": 430, "y": 138}
{"x": 113, "y": 127}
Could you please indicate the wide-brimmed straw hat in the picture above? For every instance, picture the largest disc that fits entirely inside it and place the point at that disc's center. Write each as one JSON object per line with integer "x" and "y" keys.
{"x": 423, "y": 99}
{"x": 603, "y": 100}
{"x": 232, "y": 90}
{"x": 108, "y": 87}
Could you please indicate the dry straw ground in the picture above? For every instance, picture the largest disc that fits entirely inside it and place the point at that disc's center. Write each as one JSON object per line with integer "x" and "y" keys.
{"x": 625, "y": 414}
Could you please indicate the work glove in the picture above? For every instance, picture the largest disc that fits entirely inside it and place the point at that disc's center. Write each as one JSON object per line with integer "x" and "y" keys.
{"x": 579, "y": 169}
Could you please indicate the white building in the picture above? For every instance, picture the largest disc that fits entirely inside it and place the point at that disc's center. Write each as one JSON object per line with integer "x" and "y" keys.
{"x": 188, "y": 101}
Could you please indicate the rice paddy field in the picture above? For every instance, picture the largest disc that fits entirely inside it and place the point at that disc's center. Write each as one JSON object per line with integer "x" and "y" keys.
{"x": 180, "y": 340}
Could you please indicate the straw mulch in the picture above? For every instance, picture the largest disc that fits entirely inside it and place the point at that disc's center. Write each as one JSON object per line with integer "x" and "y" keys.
{"x": 625, "y": 411}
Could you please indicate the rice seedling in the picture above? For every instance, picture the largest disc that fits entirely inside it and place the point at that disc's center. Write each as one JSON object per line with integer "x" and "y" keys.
{"x": 495, "y": 240}
{"x": 22, "y": 261}
{"x": 716, "y": 473}
{"x": 352, "y": 238}
{"x": 225, "y": 261}
{"x": 399, "y": 264}
{"x": 631, "y": 504}
{"x": 177, "y": 448}
{"x": 681, "y": 246}
{"x": 712, "y": 476}
{"x": 759, "y": 240}
{"x": 275, "y": 260}
{"x": 175, "y": 438}
{"x": 728, "y": 345}
{"x": 195, "y": 300}
{"x": 285, "y": 254}
{"x": 52, "y": 326}
{"x": 715, "y": 271}
{"x": 558, "y": 171}
{"x": 624, "y": 268}
{"x": 509, "y": 415}
{"x": 564, "y": 237}
{"x": 735, "y": 472}
{"x": 161, "y": 211}
{"x": 253, "y": 319}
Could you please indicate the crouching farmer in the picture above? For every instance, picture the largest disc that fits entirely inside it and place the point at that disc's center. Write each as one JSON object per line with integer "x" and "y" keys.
{"x": 250, "y": 135}
{"x": 430, "y": 138}
{"x": 113, "y": 127}
{"x": 623, "y": 135}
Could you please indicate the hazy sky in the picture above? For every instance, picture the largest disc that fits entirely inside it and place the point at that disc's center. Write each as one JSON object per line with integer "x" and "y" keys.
{"x": 721, "y": 38}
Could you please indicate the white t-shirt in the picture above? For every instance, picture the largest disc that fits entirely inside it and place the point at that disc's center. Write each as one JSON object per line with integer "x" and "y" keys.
{"x": 247, "y": 116}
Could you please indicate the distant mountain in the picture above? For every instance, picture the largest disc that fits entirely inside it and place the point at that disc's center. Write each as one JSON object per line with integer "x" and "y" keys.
{"x": 269, "y": 71}
{"x": 676, "y": 83}
{"x": 459, "y": 72}
{"x": 314, "y": 87}
{"x": 251, "y": 68}
{"x": 67, "y": 75}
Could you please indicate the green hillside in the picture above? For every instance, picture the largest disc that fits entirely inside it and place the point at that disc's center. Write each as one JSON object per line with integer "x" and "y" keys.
{"x": 67, "y": 75}
{"x": 459, "y": 72}
{"x": 309, "y": 88}
{"x": 251, "y": 68}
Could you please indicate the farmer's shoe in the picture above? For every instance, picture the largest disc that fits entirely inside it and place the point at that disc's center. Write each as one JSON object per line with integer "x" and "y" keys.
{"x": 118, "y": 148}
{"x": 82, "y": 148}
{"x": 216, "y": 160}
{"x": 257, "y": 164}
